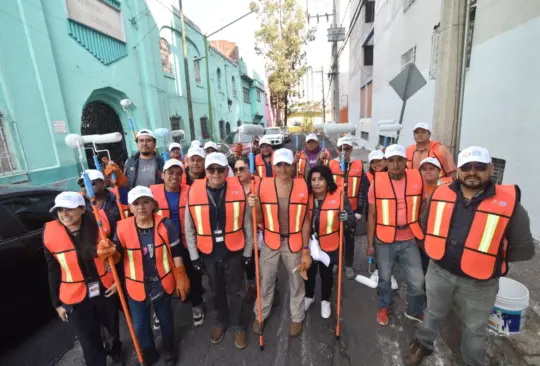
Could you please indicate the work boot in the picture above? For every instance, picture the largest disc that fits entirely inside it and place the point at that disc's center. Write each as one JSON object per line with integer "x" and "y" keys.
{"x": 240, "y": 339}
{"x": 383, "y": 316}
{"x": 251, "y": 295}
{"x": 256, "y": 328}
{"x": 217, "y": 335}
{"x": 416, "y": 353}
{"x": 277, "y": 298}
{"x": 150, "y": 356}
{"x": 171, "y": 356}
{"x": 295, "y": 329}
{"x": 115, "y": 353}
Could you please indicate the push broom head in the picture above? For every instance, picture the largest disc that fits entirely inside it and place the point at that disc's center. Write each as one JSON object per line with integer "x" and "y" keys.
{"x": 336, "y": 129}
{"x": 108, "y": 138}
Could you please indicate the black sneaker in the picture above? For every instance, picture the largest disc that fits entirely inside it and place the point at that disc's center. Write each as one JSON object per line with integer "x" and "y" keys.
{"x": 198, "y": 315}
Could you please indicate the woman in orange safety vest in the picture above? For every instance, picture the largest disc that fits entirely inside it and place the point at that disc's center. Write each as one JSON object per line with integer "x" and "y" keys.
{"x": 324, "y": 207}
{"x": 153, "y": 270}
{"x": 81, "y": 284}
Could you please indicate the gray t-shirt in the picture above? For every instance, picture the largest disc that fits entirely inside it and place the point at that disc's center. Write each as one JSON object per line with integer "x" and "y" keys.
{"x": 146, "y": 175}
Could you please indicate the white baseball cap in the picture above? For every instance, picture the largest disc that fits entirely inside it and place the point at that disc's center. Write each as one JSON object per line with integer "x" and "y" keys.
{"x": 422, "y": 125}
{"x": 172, "y": 162}
{"x": 146, "y": 132}
{"x": 215, "y": 158}
{"x": 138, "y": 192}
{"x": 175, "y": 145}
{"x": 265, "y": 140}
{"x": 344, "y": 141}
{"x": 68, "y": 200}
{"x": 432, "y": 161}
{"x": 93, "y": 174}
{"x": 312, "y": 137}
{"x": 375, "y": 155}
{"x": 196, "y": 143}
{"x": 283, "y": 156}
{"x": 474, "y": 154}
{"x": 210, "y": 144}
{"x": 395, "y": 150}
{"x": 194, "y": 150}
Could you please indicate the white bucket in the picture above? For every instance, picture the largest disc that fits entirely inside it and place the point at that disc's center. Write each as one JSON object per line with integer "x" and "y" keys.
{"x": 508, "y": 316}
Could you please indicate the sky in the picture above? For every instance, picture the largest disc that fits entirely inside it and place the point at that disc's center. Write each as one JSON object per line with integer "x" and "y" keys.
{"x": 210, "y": 15}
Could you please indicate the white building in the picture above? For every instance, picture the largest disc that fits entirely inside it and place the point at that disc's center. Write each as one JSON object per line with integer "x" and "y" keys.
{"x": 501, "y": 108}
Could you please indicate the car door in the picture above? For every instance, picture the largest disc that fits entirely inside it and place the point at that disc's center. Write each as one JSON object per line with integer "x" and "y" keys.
{"x": 25, "y": 301}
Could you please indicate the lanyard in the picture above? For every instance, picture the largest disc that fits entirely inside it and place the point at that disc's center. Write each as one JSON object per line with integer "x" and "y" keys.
{"x": 216, "y": 205}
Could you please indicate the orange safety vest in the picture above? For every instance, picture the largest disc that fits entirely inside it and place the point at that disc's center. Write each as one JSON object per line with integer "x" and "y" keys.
{"x": 369, "y": 176}
{"x": 386, "y": 204}
{"x": 485, "y": 244}
{"x": 73, "y": 287}
{"x": 235, "y": 204}
{"x": 354, "y": 179}
{"x": 326, "y": 161}
{"x": 432, "y": 152}
{"x": 298, "y": 201}
{"x": 260, "y": 166}
{"x": 328, "y": 233}
{"x": 158, "y": 190}
{"x": 301, "y": 165}
{"x": 128, "y": 236}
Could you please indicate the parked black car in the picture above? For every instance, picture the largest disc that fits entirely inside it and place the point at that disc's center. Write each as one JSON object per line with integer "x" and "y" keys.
{"x": 25, "y": 304}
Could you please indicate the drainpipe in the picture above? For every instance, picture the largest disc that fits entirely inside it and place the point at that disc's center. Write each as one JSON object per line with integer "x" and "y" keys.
{"x": 456, "y": 131}
{"x": 210, "y": 112}
{"x": 140, "y": 86}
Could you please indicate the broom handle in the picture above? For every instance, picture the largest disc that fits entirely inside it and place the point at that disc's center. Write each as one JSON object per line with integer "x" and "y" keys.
{"x": 340, "y": 260}
{"x": 103, "y": 236}
{"x": 117, "y": 194}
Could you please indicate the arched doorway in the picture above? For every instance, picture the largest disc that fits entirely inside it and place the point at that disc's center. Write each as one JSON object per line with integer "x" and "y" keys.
{"x": 228, "y": 128}
{"x": 99, "y": 118}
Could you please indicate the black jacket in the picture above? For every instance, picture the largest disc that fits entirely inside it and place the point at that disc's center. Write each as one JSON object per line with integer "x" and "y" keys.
{"x": 131, "y": 169}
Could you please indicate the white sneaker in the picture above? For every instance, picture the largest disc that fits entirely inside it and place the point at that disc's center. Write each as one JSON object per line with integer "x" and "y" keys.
{"x": 395, "y": 285}
{"x": 326, "y": 310}
{"x": 198, "y": 315}
{"x": 307, "y": 303}
{"x": 156, "y": 325}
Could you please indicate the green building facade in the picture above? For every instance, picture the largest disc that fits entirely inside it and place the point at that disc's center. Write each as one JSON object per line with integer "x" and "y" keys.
{"x": 65, "y": 65}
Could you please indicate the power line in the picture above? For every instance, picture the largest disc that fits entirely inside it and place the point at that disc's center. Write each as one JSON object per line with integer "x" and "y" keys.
{"x": 345, "y": 13}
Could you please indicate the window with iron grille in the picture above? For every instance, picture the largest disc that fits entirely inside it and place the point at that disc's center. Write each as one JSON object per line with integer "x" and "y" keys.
{"x": 409, "y": 56}
{"x": 246, "y": 95}
{"x": 177, "y": 123}
{"x": 470, "y": 33}
{"x": 370, "y": 11}
{"x": 7, "y": 161}
{"x": 364, "y": 135}
{"x": 434, "y": 52}
{"x": 219, "y": 79}
{"x": 197, "y": 67}
{"x": 258, "y": 95}
{"x": 204, "y": 128}
{"x": 389, "y": 140}
{"x": 165, "y": 55}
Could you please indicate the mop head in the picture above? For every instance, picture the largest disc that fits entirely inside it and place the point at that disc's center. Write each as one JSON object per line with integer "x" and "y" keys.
{"x": 107, "y": 138}
{"x": 336, "y": 129}
{"x": 251, "y": 130}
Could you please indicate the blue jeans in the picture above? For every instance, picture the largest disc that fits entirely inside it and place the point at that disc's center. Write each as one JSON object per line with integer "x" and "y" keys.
{"x": 406, "y": 254}
{"x": 142, "y": 320}
{"x": 474, "y": 301}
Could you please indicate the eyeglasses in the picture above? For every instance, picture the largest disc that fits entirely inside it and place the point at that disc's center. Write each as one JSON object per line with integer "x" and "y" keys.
{"x": 94, "y": 182}
{"x": 346, "y": 148}
{"x": 219, "y": 170}
{"x": 240, "y": 170}
{"x": 479, "y": 167}
{"x": 282, "y": 164}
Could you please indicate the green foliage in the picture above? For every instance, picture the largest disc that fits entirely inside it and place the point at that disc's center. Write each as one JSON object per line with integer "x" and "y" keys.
{"x": 281, "y": 40}
{"x": 307, "y": 124}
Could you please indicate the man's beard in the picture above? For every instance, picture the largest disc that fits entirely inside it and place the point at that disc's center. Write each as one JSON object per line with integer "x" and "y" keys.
{"x": 475, "y": 184}
{"x": 146, "y": 153}
{"x": 396, "y": 176}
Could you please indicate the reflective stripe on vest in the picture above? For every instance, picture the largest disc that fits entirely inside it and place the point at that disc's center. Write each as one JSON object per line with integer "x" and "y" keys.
{"x": 354, "y": 178}
{"x": 328, "y": 233}
{"x": 73, "y": 287}
{"x": 128, "y": 236}
{"x": 298, "y": 202}
{"x": 386, "y": 205}
{"x": 158, "y": 190}
{"x": 301, "y": 166}
{"x": 484, "y": 245}
{"x": 235, "y": 203}
{"x": 260, "y": 166}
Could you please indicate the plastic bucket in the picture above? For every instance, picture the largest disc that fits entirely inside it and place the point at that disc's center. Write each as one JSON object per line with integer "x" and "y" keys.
{"x": 508, "y": 316}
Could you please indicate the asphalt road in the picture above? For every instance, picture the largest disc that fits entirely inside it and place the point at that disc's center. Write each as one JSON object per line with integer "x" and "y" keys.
{"x": 362, "y": 342}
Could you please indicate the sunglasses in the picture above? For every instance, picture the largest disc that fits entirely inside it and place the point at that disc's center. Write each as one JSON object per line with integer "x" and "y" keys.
{"x": 240, "y": 170}
{"x": 282, "y": 164}
{"x": 479, "y": 167}
{"x": 94, "y": 182}
{"x": 219, "y": 170}
{"x": 346, "y": 148}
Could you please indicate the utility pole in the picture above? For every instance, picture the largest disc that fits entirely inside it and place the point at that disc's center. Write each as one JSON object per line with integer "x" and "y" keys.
{"x": 335, "y": 72}
{"x": 186, "y": 71}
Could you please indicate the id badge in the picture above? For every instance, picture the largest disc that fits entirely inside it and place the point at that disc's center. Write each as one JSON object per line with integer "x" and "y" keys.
{"x": 151, "y": 250}
{"x": 219, "y": 239}
{"x": 218, "y": 232}
{"x": 93, "y": 289}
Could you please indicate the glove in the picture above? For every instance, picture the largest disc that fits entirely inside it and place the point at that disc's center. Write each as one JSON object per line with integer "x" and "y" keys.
{"x": 106, "y": 249}
{"x": 247, "y": 261}
{"x": 198, "y": 265}
{"x": 343, "y": 216}
{"x": 182, "y": 282}
{"x": 358, "y": 216}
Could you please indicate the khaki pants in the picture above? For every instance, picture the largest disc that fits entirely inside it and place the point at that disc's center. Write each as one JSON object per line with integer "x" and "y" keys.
{"x": 269, "y": 265}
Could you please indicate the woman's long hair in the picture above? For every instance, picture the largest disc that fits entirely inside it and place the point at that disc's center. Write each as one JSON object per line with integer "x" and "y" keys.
{"x": 326, "y": 174}
{"x": 89, "y": 233}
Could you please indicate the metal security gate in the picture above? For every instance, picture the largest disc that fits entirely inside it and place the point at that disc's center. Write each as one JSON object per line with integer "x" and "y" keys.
{"x": 99, "y": 118}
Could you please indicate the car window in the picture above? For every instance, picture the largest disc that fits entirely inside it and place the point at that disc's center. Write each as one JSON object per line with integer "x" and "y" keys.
{"x": 10, "y": 227}
{"x": 32, "y": 210}
{"x": 272, "y": 131}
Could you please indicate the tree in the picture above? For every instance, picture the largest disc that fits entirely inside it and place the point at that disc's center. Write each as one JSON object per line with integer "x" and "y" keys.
{"x": 281, "y": 40}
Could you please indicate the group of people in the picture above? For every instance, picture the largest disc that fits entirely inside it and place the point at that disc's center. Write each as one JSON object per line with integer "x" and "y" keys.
{"x": 451, "y": 238}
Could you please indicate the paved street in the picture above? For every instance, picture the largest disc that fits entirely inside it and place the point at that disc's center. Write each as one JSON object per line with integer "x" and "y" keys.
{"x": 362, "y": 342}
